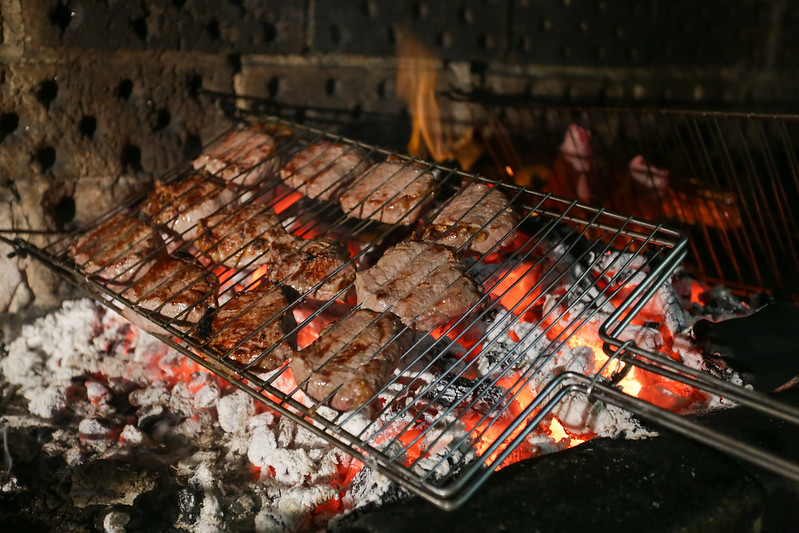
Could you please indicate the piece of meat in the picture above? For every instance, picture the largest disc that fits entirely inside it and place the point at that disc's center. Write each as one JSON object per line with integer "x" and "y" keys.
{"x": 351, "y": 360}
{"x": 389, "y": 192}
{"x": 177, "y": 289}
{"x": 478, "y": 212}
{"x": 574, "y": 171}
{"x": 180, "y": 206}
{"x": 118, "y": 251}
{"x": 241, "y": 157}
{"x": 251, "y": 323}
{"x": 250, "y": 236}
{"x": 324, "y": 168}
{"x": 422, "y": 283}
{"x": 311, "y": 263}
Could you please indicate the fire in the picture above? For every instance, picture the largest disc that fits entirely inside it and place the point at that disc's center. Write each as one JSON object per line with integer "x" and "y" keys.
{"x": 416, "y": 84}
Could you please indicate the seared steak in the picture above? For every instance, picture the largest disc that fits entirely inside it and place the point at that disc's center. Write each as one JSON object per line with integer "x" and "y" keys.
{"x": 424, "y": 284}
{"x": 310, "y": 263}
{"x": 180, "y": 206}
{"x": 352, "y": 359}
{"x": 323, "y": 168}
{"x": 176, "y": 289}
{"x": 250, "y": 236}
{"x": 478, "y": 212}
{"x": 387, "y": 192}
{"x": 240, "y": 157}
{"x": 117, "y": 251}
{"x": 263, "y": 307}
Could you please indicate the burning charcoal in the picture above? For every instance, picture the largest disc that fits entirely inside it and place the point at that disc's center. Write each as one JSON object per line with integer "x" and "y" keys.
{"x": 110, "y": 483}
{"x": 49, "y": 402}
{"x": 115, "y": 521}
{"x": 97, "y": 432}
{"x": 235, "y": 410}
{"x": 489, "y": 397}
{"x": 97, "y": 393}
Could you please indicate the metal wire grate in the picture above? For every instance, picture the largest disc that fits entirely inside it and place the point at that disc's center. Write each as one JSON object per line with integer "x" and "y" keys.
{"x": 465, "y": 395}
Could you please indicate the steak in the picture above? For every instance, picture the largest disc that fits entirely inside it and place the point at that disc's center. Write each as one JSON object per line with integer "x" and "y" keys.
{"x": 310, "y": 263}
{"x": 176, "y": 289}
{"x": 351, "y": 360}
{"x": 240, "y": 157}
{"x": 389, "y": 192}
{"x": 251, "y": 323}
{"x": 180, "y": 206}
{"x": 422, "y": 283}
{"x": 323, "y": 168}
{"x": 249, "y": 236}
{"x": 117, "y": 251}
{"x": 478, "y": 212}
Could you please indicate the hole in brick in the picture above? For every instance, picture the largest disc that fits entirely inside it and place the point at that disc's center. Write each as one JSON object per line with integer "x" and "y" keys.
{"x": 467, "y": 15}
{"x": 162, "y": 119}
{"x": 444, "y": 39}
{"x": 124, "y": 89}
{"x": 178, "y": 3}
{"x": 486, "y": 41}
{"x": 130, "y": 159}
{"x": 139, "y": 27}
{"x": 45, "y": 158}
{"x": 546, "y": 24}
{"x": 87, "y": 126}
{"x": 382, "y": 88}
{"x": 357, "y": 112}
{"x": 239, "y": 4}
{"x": 369, "y": 9}
{"x": 331, "y": 86}
{"x": 61, "y": 16}
{"x": 392, "y": 35}
{"x": 192, "y": 147}
{"x": 194, "y": 84}
{"x": 420, "y": 10}
{"x": 8, "y": 124}
{"x": 63, "y": 211}
{"x": 566, "y": 50}
{"x": 213, "y": 29}
{"x": 273, "y": 86}
{"x": 335, "y": 34}
{"x": 270, "y": 32}
{"x": 46, "y": 92}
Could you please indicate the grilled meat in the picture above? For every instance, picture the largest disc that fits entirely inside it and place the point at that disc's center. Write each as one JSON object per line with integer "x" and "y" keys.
{"x": 424, "y": 284}
{"x": 179, "y": 206}
{"x": 176, "y": 289}
{"x": 351, "y": 360}
{"x": 117, "y": 251}
{"x": 241, "y": 157}
{"x": 310, "y": 263}
{"x": 478, "y": 212}
{"x": 250, "y": 235}
{"x": 251, "y": 323}
{"x": 323, "y": 168}
{"x": 389, "y": 192}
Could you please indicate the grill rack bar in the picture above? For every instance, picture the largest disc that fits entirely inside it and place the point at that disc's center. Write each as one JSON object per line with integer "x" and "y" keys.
{"x": 597, "y": 232}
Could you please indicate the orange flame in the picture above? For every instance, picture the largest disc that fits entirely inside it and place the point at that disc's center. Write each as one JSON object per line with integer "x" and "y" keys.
{"x": 416, "y": 84}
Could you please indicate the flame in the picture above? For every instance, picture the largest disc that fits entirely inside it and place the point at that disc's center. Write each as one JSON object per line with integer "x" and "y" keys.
{"x": 517, "y": 287}
{"x": 416, "y": 84}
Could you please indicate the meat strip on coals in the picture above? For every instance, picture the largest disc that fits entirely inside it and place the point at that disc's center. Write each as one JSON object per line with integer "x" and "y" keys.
{"x": 324, "y": 168}
{"x": 249, "y": 235}
{"x": 311, "y": 262}
{"x": 241, "y": 317}
{"x": 351, "y": 360}
{"x": 181, "y": 205}
{"x": 177, "y": 289}
{"x": 118, "y": 251}
{"x": 241, "y": 157}
{"x": 422, "y": 283}
{"x": 478, "y": 212}
{"x": 389, "y": 192}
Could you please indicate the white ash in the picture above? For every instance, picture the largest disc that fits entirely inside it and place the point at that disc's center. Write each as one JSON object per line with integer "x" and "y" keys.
{"x": 78, "y": 363}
